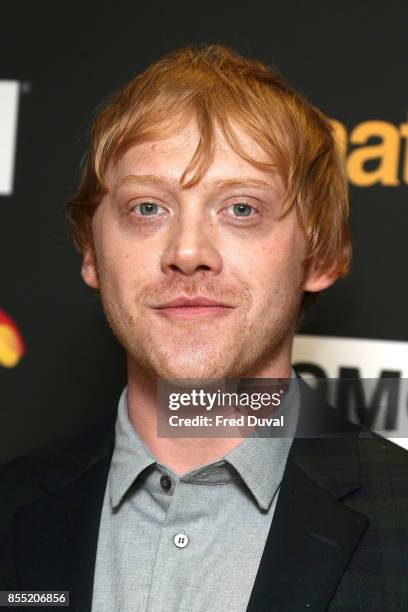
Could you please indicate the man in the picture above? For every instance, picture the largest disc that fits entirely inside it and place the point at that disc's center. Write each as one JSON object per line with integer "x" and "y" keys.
{"x": 212, "y": 207}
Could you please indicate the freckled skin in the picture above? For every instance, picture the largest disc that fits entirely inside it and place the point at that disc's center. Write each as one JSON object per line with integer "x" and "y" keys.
{"x": 196, "y": 245}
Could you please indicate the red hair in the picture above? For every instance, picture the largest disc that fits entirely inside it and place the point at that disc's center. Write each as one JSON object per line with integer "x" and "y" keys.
{"x": 217, "y": 87}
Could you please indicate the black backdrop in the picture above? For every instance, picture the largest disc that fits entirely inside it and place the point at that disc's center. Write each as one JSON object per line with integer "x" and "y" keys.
{"x": 350, "y": 60}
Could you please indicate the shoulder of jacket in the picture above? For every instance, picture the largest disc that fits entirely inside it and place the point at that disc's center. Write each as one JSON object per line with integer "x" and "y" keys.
{"x": 377, "y": 448}
{"x": 20, "y": 478}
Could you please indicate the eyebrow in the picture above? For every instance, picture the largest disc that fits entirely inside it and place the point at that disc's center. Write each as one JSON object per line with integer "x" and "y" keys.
{"x": 161, "y": 181}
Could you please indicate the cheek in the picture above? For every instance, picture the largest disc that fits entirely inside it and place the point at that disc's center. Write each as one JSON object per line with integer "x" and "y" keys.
{"x": 271, "y": 269}
{"x": 266, "y": 262}
{"x": 112, "y": 250}
{"x": 126, "y": 268}
{"x": 113, "y": 262}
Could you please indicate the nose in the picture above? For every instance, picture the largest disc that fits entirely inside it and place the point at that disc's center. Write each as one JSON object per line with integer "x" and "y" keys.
{"x": 191, "y": 248}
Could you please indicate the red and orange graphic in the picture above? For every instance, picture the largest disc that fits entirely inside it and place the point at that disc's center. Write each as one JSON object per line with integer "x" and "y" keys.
{"x": 12, "y": 346}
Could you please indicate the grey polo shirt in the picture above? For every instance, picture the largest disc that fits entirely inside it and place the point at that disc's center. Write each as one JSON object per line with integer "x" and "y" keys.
{"x": 171, "y": 543}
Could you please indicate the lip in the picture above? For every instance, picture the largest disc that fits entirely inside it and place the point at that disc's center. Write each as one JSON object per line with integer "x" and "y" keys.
{"x": 187, "y": 302}
{"x": 186, "y": 307}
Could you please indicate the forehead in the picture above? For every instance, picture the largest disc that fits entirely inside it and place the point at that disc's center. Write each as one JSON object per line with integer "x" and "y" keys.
{"x": 170, "y": 155}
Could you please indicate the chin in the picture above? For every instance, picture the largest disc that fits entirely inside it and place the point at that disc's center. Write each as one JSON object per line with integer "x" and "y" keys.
{"x": 190, "y": 372}
{"x": 191, "y": 365}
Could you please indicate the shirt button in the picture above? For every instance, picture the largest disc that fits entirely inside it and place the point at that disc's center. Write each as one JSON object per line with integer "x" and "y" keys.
{"x": 165, "y": 482}
{"x": 181, "y": 540}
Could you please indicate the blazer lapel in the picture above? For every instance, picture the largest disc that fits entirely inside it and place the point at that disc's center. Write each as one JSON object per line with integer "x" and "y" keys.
{"x": 310, "y": 543}
{"x": 313, "y": 534}
{"x": 56, "y": 534}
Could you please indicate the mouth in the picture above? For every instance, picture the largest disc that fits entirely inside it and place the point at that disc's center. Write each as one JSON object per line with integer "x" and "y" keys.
{"x": 188, "y": 308}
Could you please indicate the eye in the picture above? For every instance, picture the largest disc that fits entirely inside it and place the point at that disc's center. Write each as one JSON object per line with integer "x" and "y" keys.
{"x": 147, "y": 209}
{"x": 242, "y": 209}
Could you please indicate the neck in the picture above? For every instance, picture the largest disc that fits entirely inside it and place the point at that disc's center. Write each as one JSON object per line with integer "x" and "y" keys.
{"x": 180, "y": 454}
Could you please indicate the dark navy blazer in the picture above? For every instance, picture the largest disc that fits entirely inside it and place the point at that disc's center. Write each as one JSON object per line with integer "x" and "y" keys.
{"x": 338, "y": 540}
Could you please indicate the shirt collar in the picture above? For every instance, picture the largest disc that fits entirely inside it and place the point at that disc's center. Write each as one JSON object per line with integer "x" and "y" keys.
{"x": 259, "y": 460}
{"x": 130, "y": 456}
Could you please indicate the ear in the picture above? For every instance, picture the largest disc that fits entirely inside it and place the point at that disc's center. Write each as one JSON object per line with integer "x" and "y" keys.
{"x": 320, "y": 278}
{"x": 89, "y": 269}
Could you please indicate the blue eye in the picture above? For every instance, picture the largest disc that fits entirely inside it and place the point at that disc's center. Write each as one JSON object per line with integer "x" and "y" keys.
{"x": 148, "y": 208}
{"x": 241, "y": 209}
